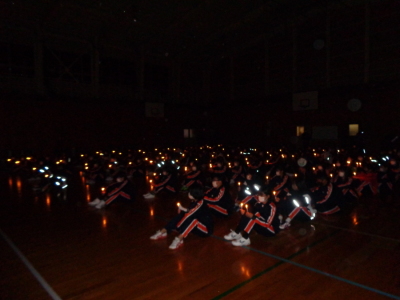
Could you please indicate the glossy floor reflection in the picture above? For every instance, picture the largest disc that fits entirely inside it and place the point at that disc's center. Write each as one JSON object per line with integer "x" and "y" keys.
{"x": 85, "y": 253}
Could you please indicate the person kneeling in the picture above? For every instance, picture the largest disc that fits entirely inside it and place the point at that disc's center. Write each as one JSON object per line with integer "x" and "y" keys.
{"x": 263, "y": 219}
{"x": 196, "y": 218}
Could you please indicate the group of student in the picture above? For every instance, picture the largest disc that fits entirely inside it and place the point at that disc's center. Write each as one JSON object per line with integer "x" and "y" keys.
{"x": 268, "y": 193}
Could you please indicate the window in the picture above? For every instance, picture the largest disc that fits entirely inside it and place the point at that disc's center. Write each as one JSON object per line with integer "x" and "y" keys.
{"x": 353, "y": 129}
{"x": 299, "y": 130}
{"x": 188, "y": 133}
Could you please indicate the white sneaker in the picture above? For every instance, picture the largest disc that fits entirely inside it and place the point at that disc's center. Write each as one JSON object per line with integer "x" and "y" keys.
{"x": 145, "y": 195}
{"x": 158, "y": 235}
{"x": 101, "y": 204}
{"x": 232, "y": 236}
{"x": 241, "y": 242}
{"x": 150, "y": 196}
{"x": 94, "y": 202}
{"x": 176, "y": 243}
{"x": 284, "y": 225}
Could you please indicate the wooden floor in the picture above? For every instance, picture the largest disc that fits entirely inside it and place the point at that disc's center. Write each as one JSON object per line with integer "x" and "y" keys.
{"x": 55, "y": 249}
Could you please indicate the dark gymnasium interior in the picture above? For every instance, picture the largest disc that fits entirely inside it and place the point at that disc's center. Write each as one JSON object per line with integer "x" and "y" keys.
{"x": 113, "y": 80}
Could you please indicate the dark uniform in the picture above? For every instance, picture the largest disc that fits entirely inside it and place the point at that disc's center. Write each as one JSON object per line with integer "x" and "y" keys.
{"x": 197, "y": 220}
{"x": 265, "y": 220}
{"x": 219, "y": 200}
{"x": 120, "y": 191}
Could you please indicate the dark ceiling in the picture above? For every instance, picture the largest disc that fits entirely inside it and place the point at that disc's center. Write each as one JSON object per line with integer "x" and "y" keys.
{"x": 178, "y": 29}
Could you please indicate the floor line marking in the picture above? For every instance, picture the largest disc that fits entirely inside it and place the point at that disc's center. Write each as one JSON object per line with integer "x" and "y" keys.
{"x": 358, "y": 232}
{"x": 231, "y": 290}
{"x": 285, "y": 260}
{"x": 31, "y": 268}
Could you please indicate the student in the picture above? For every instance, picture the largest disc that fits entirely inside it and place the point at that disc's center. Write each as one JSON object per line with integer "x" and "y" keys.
{"x": 237, "y": 172}
{"x": 368, "y": 184}
{"x": 220, "y": 169}
{"x": 96, "y": 174}
{"x": 248, "y": 190}
{"x": 218, "y": 197}
{"x": 137, "y": 169}
{"x": 121, "y": 190}
{"x": 279, "y": 183}
{"x": 195, "y": 176}
{"x": 326, "y": 196}
{"x": 298, "y": 204}
{"x": 165, "y": 183}
{"x": 344, "y": 182}
{"x": 385, "y": 184}
{"x": 196, "y": 218}
{"x": 263, "y": 219}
